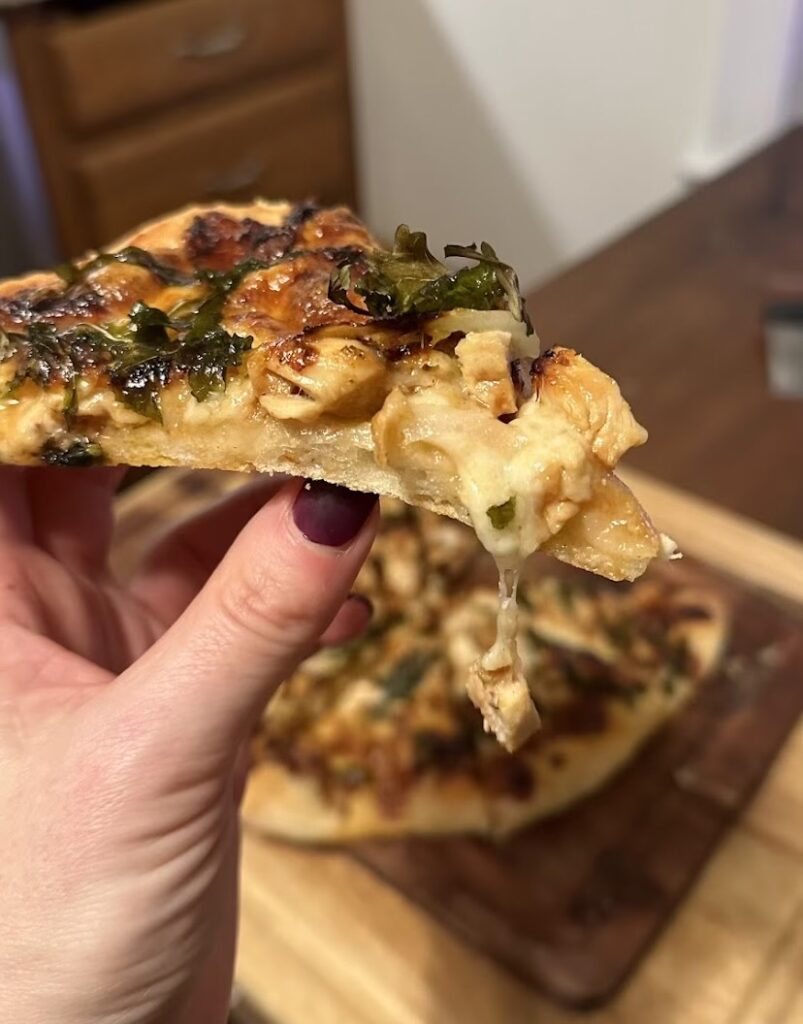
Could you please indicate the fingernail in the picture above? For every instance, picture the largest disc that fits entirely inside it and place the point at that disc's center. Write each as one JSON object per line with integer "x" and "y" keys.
{"x": 331, "y": 515}
{"x": 366, "y": 602}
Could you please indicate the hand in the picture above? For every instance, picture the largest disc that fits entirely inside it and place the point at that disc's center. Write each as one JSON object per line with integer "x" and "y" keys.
{"x": 124, "y": 714}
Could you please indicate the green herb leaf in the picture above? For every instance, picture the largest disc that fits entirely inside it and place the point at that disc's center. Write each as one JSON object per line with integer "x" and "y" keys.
{"x": 504, "y": 273}
{"x": 208, "y": 359}
{"x": 72, "y": 274}
{"x": 502, "y": 515}
{"x": 406, "y": 674}
{"x": 142, "y": 360}
{"x": 207, "y": 350}
{"x": 143, "y": 363}
{"x": 47, "y": 355}
{"x": 409, "y": 279}
{"x": 71, "y": 451}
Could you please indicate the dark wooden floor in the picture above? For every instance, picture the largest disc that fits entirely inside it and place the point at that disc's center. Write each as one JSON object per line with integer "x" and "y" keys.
{"x": 673, "y": 311}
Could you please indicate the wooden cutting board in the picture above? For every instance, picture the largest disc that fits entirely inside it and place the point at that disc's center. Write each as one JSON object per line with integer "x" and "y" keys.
{"x": 571, "y": 905}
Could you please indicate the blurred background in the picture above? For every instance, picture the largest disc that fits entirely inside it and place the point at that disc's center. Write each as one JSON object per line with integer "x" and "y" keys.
{"x": 550, "y": 128}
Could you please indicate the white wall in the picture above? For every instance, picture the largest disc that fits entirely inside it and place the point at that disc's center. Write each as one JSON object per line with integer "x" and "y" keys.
{"x": 547, "y": 127}
{"x": 750, "y": 93}
{"x": 796, "y": 87}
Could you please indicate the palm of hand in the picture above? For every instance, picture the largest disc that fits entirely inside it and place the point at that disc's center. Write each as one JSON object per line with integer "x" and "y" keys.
{"x": 66, "y": 631}
{"x": 124, "y": 714}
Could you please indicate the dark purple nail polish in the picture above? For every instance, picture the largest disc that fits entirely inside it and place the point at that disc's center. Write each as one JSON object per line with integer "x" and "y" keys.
{"x": 331, "y": 515}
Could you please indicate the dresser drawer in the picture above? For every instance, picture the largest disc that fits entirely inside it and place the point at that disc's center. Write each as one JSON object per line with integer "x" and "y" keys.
{"x": 289, "y": 142}
{"x": 129, "y": 59}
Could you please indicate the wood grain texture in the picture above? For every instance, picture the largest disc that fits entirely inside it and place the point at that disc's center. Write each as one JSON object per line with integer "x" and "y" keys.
{"x": 323, "y": 938}
{"x": 673, "y": 311}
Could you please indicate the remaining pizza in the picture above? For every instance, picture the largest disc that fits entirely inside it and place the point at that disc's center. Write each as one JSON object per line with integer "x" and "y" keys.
{"x": 274, "y": 337}
{"x": 417, "y": 560}
{"x": 378, "y": 738}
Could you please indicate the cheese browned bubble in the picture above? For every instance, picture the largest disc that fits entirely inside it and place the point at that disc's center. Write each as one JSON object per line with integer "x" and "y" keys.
{"x": 283, "y": 339}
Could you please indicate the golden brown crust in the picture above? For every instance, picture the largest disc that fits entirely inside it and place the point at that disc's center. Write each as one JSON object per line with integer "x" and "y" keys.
{"x": 279, "y": 803}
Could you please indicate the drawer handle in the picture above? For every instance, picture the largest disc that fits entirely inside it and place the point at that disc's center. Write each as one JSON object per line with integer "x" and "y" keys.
{"x": 217, "y": 43}
{"x": 236, "y": 178}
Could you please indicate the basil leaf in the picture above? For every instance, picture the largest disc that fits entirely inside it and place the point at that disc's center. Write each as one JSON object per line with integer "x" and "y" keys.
{"x": 207, "y": 359}
{"x": 141, "y": 360}
{"x": 207, "y": 350}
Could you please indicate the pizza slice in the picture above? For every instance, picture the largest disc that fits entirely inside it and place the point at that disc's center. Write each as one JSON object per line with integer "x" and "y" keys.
{"x": 273, "y": 337}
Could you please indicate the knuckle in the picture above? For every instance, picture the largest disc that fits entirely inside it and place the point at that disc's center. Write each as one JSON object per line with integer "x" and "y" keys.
{"x": 258, "y": 605}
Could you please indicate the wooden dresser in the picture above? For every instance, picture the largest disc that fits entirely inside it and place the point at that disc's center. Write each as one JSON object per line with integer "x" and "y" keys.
{"x": 136, "y": 108}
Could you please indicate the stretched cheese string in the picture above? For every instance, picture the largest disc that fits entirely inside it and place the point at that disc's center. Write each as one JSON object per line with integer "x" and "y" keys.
{"x": 502, "y": 662}
{"x": 504, "y": 652}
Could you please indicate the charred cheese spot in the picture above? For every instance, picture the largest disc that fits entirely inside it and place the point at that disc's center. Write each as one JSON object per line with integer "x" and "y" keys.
{"x": 216, "y": 241}
{"x": 334, "y": 227}
{"x": 219, "y": 241}
{"x": 284, "y": 300}
{"x": 51, "y": 306}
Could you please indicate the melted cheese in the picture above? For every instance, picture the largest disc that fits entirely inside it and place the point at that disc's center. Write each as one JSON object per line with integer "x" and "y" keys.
{"x": 28, "y": 422}
{"x": 547, "y": 470}
{"x": 496, "y": 682}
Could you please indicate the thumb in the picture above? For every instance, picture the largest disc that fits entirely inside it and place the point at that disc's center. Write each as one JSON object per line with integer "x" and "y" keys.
{"x": 198, "y": 689}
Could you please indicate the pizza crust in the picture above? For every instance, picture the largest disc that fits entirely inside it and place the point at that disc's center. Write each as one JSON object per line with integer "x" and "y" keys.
{"x": 165, "y": 234}
{"x": 281, "y": 804}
